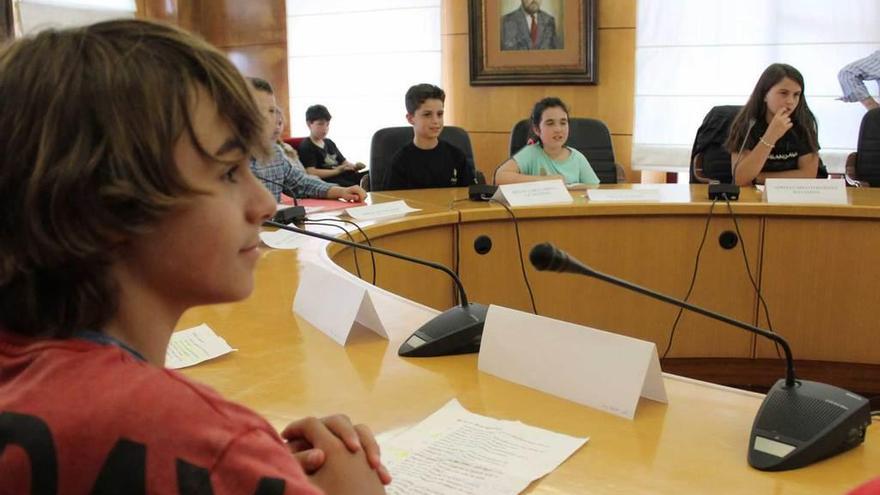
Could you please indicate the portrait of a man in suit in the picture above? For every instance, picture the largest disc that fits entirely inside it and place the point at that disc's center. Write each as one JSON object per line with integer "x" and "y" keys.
{"x": 529, "y": 28}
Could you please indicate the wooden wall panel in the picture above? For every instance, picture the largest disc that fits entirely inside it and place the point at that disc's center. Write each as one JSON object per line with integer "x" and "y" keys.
{"x": 266, "y": 61}
{"x": 252, "y": 33}
{"x": 228, "y": 23}
{"x": 486, "y": 111}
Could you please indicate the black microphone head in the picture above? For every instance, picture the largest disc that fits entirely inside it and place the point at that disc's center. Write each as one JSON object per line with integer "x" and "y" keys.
{"x": 542, "y": 256}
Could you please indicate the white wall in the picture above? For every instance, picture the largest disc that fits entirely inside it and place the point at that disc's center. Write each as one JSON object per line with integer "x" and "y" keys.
{"x": 694, "y": 54}
{"x": 358, "y": 58}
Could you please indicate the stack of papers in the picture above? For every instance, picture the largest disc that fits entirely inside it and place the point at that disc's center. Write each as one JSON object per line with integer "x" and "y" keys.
{"x": 456, "y": 451}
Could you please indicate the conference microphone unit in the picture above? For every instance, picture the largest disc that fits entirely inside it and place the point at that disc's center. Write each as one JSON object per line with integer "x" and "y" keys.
{"x": 288, "y": 214}
{"x": 799, "y": 422}
{"x": 457, "y": 330}
{"x": 731, "y": 191}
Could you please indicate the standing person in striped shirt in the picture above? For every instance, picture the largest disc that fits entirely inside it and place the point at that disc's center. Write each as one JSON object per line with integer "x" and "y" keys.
{"x": 853, "y": 76}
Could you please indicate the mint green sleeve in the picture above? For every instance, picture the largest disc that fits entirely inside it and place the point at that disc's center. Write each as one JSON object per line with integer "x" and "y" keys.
{"x": 587, "y": 175}
{"x": 526, "y": 161}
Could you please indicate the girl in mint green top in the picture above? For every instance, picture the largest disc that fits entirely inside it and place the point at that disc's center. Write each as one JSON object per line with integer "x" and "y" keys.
{"x": 550, "y": 158}
{"x": 532, "y": 160}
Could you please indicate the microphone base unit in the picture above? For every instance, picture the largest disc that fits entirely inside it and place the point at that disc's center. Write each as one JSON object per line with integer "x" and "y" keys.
{"x": 481, "y": 192}
{"x": 720, "y": 191}
{"x": 292, "y": 214}
{"x": 810, "y": 421}
{"x": 457, "y": 330}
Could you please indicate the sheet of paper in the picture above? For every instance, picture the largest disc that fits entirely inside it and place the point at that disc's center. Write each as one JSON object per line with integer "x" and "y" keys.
{"x": 351, "y": 303}
{"x": 381, "y": 210}
{"x": 193, "y": 346}
{"x": 283, "y": 239}
{"x": 599, "y": 369}
{"x": 457, "y": 452}
{"x": 533, "y": 193}
{"x": 327, "y": 204}
{"x": 624, "y": 195}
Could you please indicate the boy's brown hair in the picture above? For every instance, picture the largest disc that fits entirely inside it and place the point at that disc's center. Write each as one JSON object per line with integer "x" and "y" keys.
{"x": 88, "y": 122}
{"x": 416, "y": 95}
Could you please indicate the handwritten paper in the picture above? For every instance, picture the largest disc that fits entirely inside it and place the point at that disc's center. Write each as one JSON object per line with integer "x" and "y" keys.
{"x": 591, "y": 367}
{"x": 380, "y": 210}
{"x": 193, "y": 346}
{"x": 457, "y": 452}
{"x": 533, "y": 193}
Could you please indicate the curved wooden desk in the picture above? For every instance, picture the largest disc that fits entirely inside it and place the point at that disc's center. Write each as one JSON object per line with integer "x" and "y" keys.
{"x": 286, "y": 369}
{"x": 818, "y": 268}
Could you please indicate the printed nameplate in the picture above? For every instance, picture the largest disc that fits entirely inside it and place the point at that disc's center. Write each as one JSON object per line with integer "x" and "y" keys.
{"x": 805, "y": 191}
{"x": 380, "y": 210}
{"x": 544, "y": 192}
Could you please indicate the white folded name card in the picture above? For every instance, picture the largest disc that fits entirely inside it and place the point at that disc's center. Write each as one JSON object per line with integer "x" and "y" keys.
{"x": 810, "y": 191}
{"x": 588, "y": 366}
{"x": 380, "y": 210}
{"x": 533, "y": 193}
{"x": 624, "y": 195}
{"x": 333, "y": 304}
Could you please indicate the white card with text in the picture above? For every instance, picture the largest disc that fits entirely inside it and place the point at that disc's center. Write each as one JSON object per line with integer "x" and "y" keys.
{"x": 380, "y": 210}
{"x": 334, "y": 304}
{"x": 806, "y": 191}
{"x": 584, "y": 365}
{"x": 543, "y": 192}
{"x": 624, "y": 195}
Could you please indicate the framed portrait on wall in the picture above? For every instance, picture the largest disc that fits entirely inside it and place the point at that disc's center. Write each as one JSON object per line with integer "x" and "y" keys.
{"x": 516, "y": 42}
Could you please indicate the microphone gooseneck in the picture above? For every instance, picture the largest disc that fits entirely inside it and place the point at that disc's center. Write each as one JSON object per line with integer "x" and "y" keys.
{"x": 546, "y": 257}
{"x": 458, "y": 330}
{"x": 739, "y": 156}
{"x": 374, "y": 249}
{"x": 799, "y": 422}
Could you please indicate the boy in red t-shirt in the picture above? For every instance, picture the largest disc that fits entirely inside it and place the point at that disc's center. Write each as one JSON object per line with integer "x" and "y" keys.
{"x": 121, "y": 143}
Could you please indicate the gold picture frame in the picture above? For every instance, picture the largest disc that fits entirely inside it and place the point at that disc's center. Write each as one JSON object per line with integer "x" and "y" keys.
{"x": 530, "y": 42}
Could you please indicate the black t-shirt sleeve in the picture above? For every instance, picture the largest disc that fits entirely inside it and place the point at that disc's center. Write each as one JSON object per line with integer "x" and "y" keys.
{"x": 308, "y": 153}
{"x": 397, "y": 176}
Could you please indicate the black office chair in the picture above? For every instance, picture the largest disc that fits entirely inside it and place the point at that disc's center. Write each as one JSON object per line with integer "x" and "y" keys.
{"x": 589, "y": 136}
{"x": 710, "y": 161}
{"x": 386, "y": 142}
{"x": 863, "y": 166}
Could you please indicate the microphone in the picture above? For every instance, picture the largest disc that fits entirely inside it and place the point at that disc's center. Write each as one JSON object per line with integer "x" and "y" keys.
{"x": 799, "y": 422}
{"x": 457, "y": 330}
{"x": 292, "y": 214}
{"x": 731, "y": 191}
{"x": 484, "y": 192}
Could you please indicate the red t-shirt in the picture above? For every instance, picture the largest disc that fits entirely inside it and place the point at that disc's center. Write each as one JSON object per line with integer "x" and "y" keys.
{"x": 81, "y": 417}
{"x": 868, "y": 488}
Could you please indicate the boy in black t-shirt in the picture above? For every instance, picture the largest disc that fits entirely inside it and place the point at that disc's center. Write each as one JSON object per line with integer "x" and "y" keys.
{"x": 427, "y": 161}
{"x": 320, "y": 156}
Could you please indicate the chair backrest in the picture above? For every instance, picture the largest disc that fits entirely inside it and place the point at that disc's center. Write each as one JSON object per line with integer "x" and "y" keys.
{"x": 867, "y": 166}
{"x": 709, "y": 143}
{"x": 386, "y": 142}
{"x": 589, "y": 136}
{"x": 294, "y": 142}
